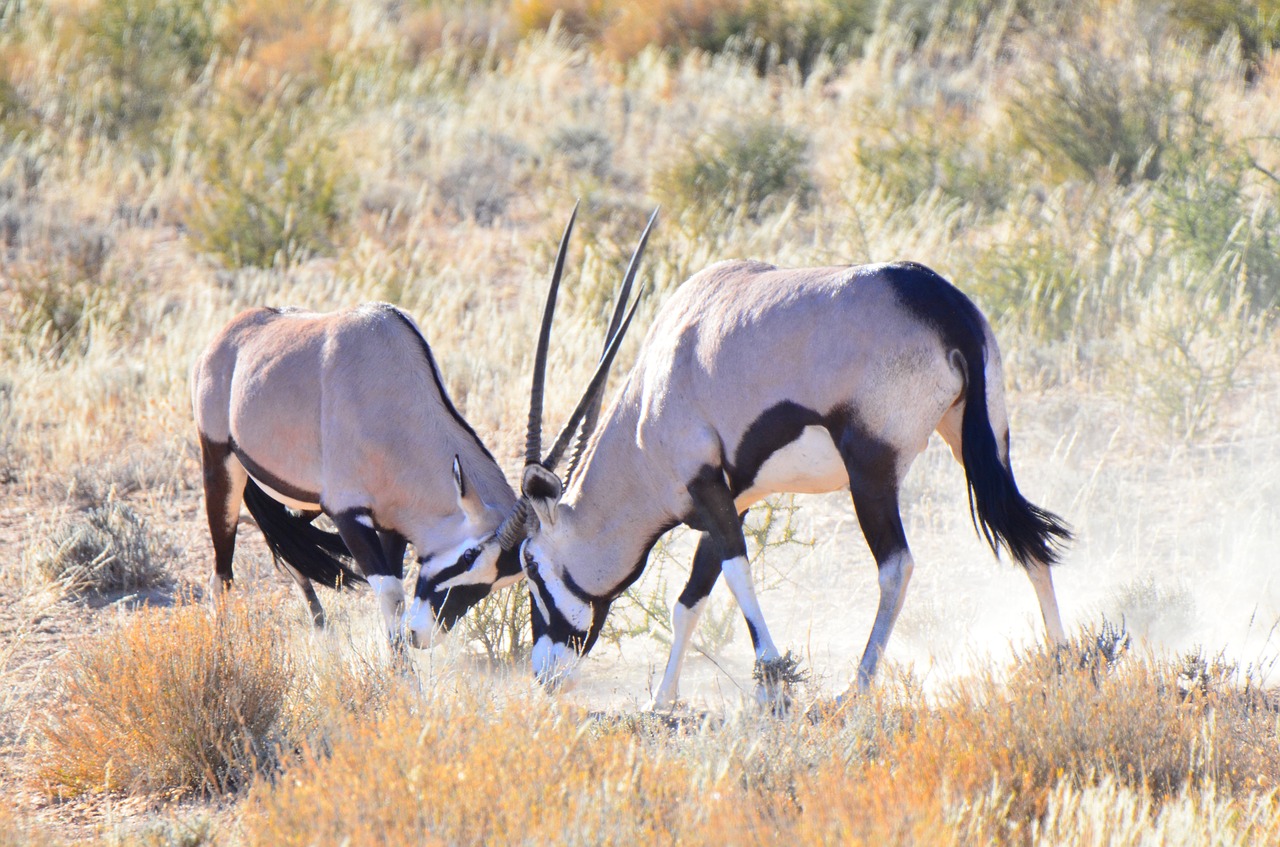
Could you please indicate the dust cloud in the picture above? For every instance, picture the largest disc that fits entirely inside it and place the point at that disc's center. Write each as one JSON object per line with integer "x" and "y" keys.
{"x": 1179, "y": 538}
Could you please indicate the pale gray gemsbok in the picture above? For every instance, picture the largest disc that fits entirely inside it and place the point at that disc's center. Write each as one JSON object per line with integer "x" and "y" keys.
{"x": 346, "y": 413}
{"x": 755, "y": 380}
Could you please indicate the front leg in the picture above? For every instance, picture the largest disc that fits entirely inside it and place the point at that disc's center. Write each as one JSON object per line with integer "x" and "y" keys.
{"x": 717, "y": 515}
{"x": 393, "y": 546}
{"x": 684, "y": 618}
{"x": 357, "y": 530}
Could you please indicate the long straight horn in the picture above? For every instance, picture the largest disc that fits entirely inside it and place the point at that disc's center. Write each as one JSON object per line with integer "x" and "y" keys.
{"x": 625, "y": 294}
{"x": 533, "y": 439}
{"x": 592, "y": 415}
{"x": 594, "y": 388}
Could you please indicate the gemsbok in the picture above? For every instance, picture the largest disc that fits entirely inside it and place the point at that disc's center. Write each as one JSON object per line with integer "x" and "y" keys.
{"x": 345, "y": 413}
{"x": 755, "y": 380}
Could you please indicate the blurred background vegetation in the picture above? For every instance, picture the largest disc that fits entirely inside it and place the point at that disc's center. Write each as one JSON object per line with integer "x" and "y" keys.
{"x": 1101, "y": 177}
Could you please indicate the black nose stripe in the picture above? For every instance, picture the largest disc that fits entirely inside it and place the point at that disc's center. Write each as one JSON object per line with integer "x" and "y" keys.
{"x": 556, "y": 625}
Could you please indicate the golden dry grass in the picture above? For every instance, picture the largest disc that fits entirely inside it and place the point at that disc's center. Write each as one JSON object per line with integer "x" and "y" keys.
{"x": 992, "y": 761}
{"x": 172, "y": 700}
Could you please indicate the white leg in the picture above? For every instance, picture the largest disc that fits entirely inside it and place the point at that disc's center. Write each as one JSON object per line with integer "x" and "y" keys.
{"x": 390, "y": 594}
{"x": 216, "y": 588}
{"x": 683, "y": 622}
{"x": 1042, "y": 582}
{"x": 895, "y": 573}
{"x": 737, "y": 574}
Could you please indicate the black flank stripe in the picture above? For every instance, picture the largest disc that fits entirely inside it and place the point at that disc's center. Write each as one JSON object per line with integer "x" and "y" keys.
{"x": 263, "y": 475}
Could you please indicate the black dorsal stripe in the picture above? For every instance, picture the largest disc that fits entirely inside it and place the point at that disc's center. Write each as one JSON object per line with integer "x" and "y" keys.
{"x": 439, "y": 381}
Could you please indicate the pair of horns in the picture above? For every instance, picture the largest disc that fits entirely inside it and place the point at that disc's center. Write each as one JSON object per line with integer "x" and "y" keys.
{"x": 587, "y": 411}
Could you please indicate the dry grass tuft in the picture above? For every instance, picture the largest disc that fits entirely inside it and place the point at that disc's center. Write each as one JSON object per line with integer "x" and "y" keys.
{"x": 173, "y": 700}
{"x": 106, "y": 549}
{"x": 1076, "y": 717}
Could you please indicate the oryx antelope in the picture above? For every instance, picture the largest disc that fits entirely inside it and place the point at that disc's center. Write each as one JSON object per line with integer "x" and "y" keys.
{"x": 458, "y": 583}
{"x": 346, "y": 413}
{"x": 755, "y": 380}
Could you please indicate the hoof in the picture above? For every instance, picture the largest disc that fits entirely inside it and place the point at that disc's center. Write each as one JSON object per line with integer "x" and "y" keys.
{"x": 829, "y": 708}
{"x": 775, "y": 679}
{"x": 661, "y": 708}
{"x": 776, "y": 700}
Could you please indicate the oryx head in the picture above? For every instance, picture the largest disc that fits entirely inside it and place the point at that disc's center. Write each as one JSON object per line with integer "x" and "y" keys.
{"x": 452, "y": 581}
{"x": 566, "y": 620}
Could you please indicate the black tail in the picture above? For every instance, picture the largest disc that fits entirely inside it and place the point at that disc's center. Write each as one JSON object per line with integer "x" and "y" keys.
{"x": 316, "y": 554}
{"x": 1000, "y": 512}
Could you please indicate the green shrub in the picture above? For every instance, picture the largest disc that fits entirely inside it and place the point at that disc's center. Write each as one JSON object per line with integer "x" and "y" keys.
{"x": 643, "y": 609}
{"x": 754, "y": 169}
{"x": 60, "y": 286}
{"x": 149, "y": 50}
{"x": 500, "y": 624}
{"x": 1115, "y": 106}
{"x": 1219, "y": 220}
{"x": 1187, "y": 348}
{"x": 10, "y": 458}
{"x": 1256, "y": 24}
{"x": 1038, "y": 282}
{"x": 796, "y": 32}
{"x": 584, "y": 149}
{"x": 479, "y": 184}
{"x": 943, "y": 156}
{"x": 273, "y": 195}
{"x": 15, "y": 113}
{"x": 1155, "y": 607}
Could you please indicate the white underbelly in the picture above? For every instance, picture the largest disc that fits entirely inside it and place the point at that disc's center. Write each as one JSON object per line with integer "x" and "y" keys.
{"x": 809, "y": 465}
{"x": 285, "y": 499}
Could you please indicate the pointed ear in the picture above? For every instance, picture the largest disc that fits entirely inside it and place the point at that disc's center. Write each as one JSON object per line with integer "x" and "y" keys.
{"x": 542, "y": 488}
{"x": 467, "y": 501}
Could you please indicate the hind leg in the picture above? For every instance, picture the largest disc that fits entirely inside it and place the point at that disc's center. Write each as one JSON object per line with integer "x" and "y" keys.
{"x": 1042, "y": 582}
{"x": 874, "y": 475}
{"x": 1038, "y": 572}
{"x": 308, "y": 589}
{"x": 224, "y": 481}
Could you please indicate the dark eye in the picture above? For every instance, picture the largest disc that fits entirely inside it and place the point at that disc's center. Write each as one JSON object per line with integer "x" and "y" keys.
{"x": 469, "y": 557}
{"x": 530, "y": 566}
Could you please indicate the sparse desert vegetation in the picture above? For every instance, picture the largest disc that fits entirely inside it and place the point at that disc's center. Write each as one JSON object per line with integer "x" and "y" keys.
{"x": 1103, "y": 179}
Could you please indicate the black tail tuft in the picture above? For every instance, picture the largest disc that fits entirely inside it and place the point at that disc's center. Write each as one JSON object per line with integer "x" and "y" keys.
{"x": 316, "y": 554}
{"x": 1000, "y": 512}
